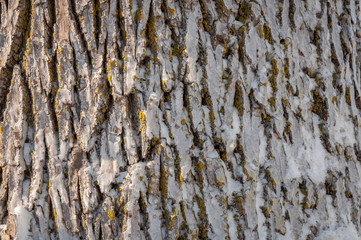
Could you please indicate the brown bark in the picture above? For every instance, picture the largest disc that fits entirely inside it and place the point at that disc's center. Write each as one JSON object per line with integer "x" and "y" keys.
{"x": 179, "y": 119}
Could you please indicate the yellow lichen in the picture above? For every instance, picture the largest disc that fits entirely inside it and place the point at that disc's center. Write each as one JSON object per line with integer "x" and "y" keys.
{"x": 268, "y": 34}
{"x": 170, "y": 11}
{"x": 110, "y": 215}
{"x": 138, "y": 14}
{"x": 244, "y": 11}
{"x": 55, "y": 216}
{"x": 219, "y": 183}
{"x": 260, "y": 31}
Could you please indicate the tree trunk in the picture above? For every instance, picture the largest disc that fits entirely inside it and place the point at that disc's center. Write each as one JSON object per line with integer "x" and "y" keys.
{"x": 180, "y": 119}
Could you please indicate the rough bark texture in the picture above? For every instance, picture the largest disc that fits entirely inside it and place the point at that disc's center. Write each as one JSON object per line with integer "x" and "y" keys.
{"x": 180, "y": 119}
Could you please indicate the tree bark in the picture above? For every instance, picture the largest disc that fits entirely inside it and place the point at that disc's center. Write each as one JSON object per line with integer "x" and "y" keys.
{"x": 180, "y": 119}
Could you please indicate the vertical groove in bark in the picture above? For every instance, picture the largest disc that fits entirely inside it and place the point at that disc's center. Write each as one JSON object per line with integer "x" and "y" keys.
{"x": 18, "y": 36}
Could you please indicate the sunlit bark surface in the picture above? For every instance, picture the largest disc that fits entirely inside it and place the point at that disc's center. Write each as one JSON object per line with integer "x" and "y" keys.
{"x": 180, "y": 119}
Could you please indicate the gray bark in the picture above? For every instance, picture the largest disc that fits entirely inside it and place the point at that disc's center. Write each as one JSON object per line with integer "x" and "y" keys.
{"x": 180, "y": 119}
